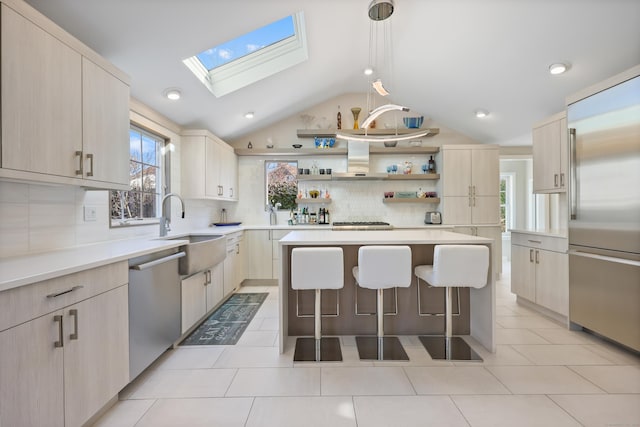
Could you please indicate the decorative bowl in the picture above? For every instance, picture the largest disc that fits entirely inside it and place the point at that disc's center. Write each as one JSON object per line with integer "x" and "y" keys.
{"x": 390, "y": 143}
{"x": 413, "y": 122}
{"x": 297, "y": 145}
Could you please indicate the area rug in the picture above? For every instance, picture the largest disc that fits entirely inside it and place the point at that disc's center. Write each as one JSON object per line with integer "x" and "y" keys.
{"x": 226, "y": 325}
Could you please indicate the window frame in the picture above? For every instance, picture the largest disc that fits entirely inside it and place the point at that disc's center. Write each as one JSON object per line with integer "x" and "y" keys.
{"x": 255, "y": 66}
{"x": 266, "y": 181}
{"x": 163, "y": 147}
{"x": 509, "y": 204}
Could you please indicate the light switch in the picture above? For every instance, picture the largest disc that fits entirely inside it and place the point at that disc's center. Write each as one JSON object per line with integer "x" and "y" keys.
{"x": 90, "y": 213}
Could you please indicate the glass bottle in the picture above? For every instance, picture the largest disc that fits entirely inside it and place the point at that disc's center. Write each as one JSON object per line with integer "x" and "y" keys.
{"x": 339, "y": 119}
{"x": 432, "y": 165}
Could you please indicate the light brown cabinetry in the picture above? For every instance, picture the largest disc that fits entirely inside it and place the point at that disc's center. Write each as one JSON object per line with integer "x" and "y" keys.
{"x": 550, "y": 155}
{"x": 540, "y": 271}
{"x": 234, "y": 271}
{"x": 259, "y": 252}
{"x": 201, "y": 292}
{"x": 470, "y": 184}
{"x": 69, "y": 356}
{"x": 64, "y": 117}
{"x": 209, "y": 167}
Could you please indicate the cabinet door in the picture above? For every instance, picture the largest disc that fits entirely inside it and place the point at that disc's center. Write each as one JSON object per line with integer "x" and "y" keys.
{"x": 258, "y": 254}
{"x": 523, "y": 272}
{"x": 546, "y": 160}
{"x": 485, "y": 171}
{"x": 215, "y": 288}
{"x": 552, "y": 281}
{"x": 194, "y": 299}
{"x": 564, "y": 154}
{"x": 456, "y": 175}
{"x": 230, "y": 270}
{"x": 457, "y": 210}
{"x": 41, "y": 99}
{"x": 105, "y": 113}
{"x": 241, "y": 262}
{"x": 485, "y": 210}
{"x": 31, "y": 374}
{"x": 214, "y": 162}
{"x": 96, "y": 362}
{"x": 193, "y": 166}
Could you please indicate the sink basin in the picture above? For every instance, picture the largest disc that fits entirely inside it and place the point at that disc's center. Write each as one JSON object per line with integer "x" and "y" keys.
{"x": 203, "y": 251}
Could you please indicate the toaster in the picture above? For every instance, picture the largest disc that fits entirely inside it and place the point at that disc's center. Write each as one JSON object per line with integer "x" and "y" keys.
{"x": 433, "y": 218}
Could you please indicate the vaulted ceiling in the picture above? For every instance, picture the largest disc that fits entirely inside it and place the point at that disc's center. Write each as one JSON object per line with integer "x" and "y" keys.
{"x": 450, "y": 57}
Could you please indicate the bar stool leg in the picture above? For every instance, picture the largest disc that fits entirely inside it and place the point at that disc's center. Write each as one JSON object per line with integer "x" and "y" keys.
{"x": 448, "y": 347}
{"x": 380, "y": 347}
{"x": 317, "y": 349}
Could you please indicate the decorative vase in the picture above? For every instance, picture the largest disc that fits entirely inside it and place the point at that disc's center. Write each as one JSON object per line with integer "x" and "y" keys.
{"x": 356, "y": 112}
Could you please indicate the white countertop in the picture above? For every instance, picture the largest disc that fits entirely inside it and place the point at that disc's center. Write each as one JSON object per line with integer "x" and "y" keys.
{"x": 24, "y": 270}
{"x": 372, "y": 237}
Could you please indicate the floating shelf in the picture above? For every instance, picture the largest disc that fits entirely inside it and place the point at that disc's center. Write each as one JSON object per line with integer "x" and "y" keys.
{"x": 318, "y": 200}
{"x": 291, "y": 151}
{"x": 412, "y": 176}
{"x": 434, "y": 200}
{"x": 404, "y": 150}
{"x": 331, "y": 133}
{"x": 314, "y": 178}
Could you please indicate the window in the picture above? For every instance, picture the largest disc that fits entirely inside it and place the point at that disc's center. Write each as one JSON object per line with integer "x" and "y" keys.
{"x": 251, "y": 57}
{"x": 281, "y": 178}
{"x": 146, "y": 162}
{"x": 507, "y": 209}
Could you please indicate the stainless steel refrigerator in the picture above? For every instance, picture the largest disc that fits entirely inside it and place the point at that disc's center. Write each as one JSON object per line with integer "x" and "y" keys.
{"x": 604, "y": 226}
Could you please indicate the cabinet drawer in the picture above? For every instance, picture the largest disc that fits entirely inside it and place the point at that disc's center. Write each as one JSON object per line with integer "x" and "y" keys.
{"x": 234, "y": 238}
{"x": 27, "y": 302}
{"x": 532, "y": 240}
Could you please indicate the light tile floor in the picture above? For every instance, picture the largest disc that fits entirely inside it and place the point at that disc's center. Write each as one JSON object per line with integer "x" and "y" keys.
{"x": 541, "y": 375}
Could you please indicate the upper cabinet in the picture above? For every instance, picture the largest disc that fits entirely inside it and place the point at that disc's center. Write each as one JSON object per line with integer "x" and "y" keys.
{"x": 550, "y": 155}
{"x": 470, "y": 184}
{"x": 65, "y": 111}
{"x": 209, "y": 167}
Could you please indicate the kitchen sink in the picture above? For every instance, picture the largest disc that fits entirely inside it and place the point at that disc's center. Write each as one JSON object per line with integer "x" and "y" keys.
{"x": 203, "y": 251}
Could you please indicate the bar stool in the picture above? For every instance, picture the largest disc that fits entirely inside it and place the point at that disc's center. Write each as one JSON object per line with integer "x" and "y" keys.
{"x": 317, "y": 269}
{"x": 380, "y": 268}
{"x": 453, "y": 266}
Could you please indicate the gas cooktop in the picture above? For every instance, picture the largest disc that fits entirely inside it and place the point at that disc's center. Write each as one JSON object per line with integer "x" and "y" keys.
{"x": 361, "y": 225}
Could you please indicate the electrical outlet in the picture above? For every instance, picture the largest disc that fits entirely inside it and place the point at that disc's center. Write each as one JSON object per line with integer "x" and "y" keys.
{"x": 90, "y": 213}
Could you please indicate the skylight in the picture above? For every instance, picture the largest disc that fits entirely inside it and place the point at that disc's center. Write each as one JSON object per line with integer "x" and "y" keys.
{"x": 251, "y": 57}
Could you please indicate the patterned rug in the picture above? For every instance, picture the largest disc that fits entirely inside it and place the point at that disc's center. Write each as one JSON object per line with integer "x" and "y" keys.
{"x": 226, "y": 325}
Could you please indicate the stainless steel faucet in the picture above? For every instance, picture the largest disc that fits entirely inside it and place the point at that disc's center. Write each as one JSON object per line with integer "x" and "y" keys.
{"x": 164, "y": 221}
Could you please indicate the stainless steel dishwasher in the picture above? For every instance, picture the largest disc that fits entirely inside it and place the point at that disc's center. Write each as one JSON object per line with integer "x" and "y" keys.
{"x": 154, "y": 307}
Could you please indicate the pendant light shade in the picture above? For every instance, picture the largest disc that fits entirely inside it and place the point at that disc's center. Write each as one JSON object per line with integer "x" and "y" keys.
{"x": 379, "y": 10}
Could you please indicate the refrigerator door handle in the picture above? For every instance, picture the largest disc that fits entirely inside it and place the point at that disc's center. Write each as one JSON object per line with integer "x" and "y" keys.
{"x": 605, "y": 258}
{"x": 573, "y": 187}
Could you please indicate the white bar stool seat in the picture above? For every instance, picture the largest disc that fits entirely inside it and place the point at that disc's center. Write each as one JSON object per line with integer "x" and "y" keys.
{"x": 317, "y": 268}
{"x": 380, "y": 268}
{"x": 453, "y": 266}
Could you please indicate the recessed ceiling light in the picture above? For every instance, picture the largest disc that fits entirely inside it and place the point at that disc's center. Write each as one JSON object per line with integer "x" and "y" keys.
{"x": 481, "y": 113}
{"x": 368, "y": 71}
{"x": 249, "y": 115}
{"x": 558, "y": 68}
{"x": 173, "y": 94}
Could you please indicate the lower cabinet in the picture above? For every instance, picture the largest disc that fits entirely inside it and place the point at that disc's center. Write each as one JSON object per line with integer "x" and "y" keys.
{"x": 540, "y": 275}
{"x": 200, "y": 293}
{"x": 234, "y": 264}
{"x": 61, "y": 368}
{"x": 260, "y": 265}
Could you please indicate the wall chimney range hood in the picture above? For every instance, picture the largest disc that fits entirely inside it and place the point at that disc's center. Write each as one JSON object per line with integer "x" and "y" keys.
{"x": 358, "y": 163}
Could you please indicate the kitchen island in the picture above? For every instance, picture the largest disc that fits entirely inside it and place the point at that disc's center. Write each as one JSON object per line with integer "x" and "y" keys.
{"x": 477, "y": 306}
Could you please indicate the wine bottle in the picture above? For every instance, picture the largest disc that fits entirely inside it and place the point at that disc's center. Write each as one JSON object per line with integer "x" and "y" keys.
{"x": 339, "y": 119}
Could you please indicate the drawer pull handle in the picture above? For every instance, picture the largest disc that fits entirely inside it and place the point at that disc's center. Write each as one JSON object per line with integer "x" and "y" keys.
{"x": 535, "y": 241}
{"x": 57, "y": 294}
{"x": 59, "y": 343}
{"x": 74, "y": 313}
